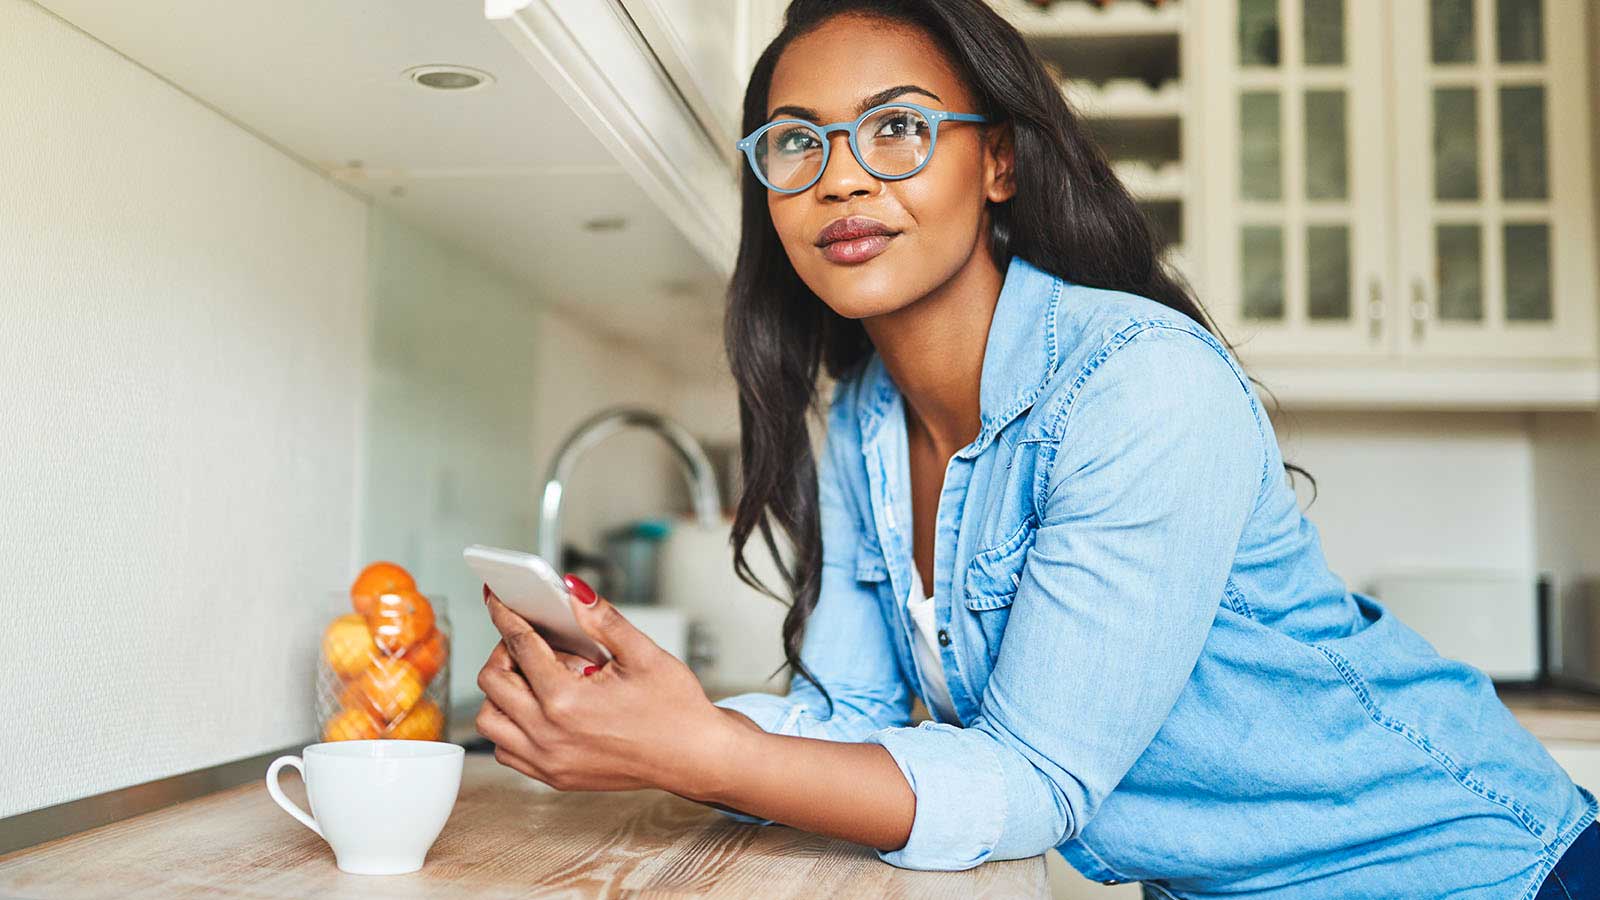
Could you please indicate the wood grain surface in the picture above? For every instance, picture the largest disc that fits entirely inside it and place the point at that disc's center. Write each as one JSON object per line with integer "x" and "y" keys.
{"x": 1555, "y": 715}
{"x": 507, "y": 837}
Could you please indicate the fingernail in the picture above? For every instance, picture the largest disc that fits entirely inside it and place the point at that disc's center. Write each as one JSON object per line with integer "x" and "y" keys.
{"x": 590, "y": 669}
{"x": 486, "y": 593}
{"x": 581, "y": 589}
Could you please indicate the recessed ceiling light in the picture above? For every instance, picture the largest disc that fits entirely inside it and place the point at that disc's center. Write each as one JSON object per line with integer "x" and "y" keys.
{"x": 449, "y": 78}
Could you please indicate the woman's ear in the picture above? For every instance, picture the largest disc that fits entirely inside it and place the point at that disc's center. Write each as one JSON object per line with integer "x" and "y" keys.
{"x": 999, "y": 163}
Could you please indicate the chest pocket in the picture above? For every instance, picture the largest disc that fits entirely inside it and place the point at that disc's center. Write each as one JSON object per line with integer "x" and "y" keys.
{"x": 993, "y": 574}
{"x": 869, "y": 559}
{"x": 869, "y": 567}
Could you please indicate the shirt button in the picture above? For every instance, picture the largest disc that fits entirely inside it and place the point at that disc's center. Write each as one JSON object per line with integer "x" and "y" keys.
{"x": 944, "y": 638}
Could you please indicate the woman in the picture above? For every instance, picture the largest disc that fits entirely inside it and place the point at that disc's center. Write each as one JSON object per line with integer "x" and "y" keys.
{"x": 1133, "y": 649}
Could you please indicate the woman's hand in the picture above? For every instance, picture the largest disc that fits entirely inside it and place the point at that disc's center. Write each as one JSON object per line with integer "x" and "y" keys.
{"x": 640, "y": 720}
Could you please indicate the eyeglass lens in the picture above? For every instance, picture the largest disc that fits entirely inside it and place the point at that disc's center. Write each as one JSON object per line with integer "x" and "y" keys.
{"x": 893, "y": 141}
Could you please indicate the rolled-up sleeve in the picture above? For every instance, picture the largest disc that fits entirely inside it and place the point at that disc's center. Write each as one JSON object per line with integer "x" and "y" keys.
{"x": 847, "y": 645}
{"x": 1156, "y": 469}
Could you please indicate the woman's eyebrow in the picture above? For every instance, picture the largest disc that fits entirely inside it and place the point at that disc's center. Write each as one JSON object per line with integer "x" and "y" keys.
{"x": 883, "y": 96}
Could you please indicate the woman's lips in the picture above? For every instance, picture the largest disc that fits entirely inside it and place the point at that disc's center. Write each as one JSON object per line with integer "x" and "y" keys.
{"x": 857, "y": 250}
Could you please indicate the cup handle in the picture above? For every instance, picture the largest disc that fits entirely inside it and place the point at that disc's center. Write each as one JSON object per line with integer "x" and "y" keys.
{"x": 282, "y": 799}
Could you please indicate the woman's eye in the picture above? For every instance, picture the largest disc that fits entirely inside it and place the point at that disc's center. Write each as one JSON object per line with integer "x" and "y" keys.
{"x": 901, "y": 125}
{"x": 796, "y": 141}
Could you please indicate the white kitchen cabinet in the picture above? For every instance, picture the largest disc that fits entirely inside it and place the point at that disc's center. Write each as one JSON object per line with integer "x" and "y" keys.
{"x": 1383, "y": 203}
{"x": 660, "y": 83}
{"x": 709, "y": 46}
{"x": 1298, "y": 177}
{"x": 1397, "y": 203}
{"x": 1495, "y": 244}
{"x": 702, "y": 53}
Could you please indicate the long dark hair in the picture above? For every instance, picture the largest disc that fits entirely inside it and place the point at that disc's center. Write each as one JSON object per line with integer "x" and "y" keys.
{"x": 1070, "y": 216}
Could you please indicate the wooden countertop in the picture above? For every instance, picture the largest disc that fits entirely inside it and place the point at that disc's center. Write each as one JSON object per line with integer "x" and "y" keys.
{"x": 1554, "y": 714}
{"x": 507, "y": 837}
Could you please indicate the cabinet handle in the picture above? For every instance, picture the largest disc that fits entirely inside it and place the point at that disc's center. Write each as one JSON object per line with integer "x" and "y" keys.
{"x": 1375, "y": 309}
{"x": 1419, "y": 309}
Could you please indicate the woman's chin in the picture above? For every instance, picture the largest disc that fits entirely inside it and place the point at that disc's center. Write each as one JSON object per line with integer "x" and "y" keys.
{"x": 857, "y": 307}
{"x": 865, "y": 295}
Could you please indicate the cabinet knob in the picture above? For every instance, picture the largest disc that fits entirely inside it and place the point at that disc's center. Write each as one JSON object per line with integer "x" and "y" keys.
{"x": 1375, "y": 309}
{"x": 1419, "y": 309}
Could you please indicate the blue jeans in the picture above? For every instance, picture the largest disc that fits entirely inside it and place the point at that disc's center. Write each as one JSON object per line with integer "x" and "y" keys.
{"x": 1577, "y": 873}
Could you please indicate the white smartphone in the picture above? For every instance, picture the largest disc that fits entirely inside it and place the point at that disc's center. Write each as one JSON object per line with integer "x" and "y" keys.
{"x": 534, "y": 590}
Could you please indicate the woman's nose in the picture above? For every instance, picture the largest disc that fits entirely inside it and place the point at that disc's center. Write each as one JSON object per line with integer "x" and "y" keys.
{"x": 844, "y": 176}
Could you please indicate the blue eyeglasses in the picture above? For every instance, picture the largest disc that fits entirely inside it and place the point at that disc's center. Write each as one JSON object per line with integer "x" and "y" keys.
{"x": 891, "y": 140}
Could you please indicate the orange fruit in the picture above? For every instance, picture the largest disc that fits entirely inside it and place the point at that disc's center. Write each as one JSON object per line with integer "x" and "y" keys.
{"x": 352, "y": 725}
{"x": 423, "y": 723}
{"x": 376, "y": 580}
{"x": 347, "y": 646}
{"x": 429, "y": 654}
{"x": 399, "y": 619}
{"x": 387, "y": 689}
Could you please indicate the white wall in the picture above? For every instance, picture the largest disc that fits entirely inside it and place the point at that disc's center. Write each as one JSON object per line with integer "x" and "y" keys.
{"x": 197, "y": 459}
{"x": 1566, "y": 450}
{"x": 181, "y": 388}
{"x": 474, "y": 384}
{"x": 632, "y": 473}
{"x": 1398, "y": 490}
{"x": 448, "y": 422}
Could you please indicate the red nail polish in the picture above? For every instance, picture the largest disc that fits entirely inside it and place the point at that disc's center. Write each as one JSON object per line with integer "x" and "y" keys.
{"x": 590, "y": 669}
{"x": 486, "y": 593}
{"x": 580, "y": 589}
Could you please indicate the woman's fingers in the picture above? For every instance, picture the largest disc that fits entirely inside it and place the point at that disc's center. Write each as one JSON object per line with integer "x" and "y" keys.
{"x": 608, "y": 627}
{"x": 505, "y": 688}
{"x": 516, "y": 752}
{"x": 512, "y": 761}
{"x": 530, "y": 652}
{"x": 576, "y": 663}
{"x": 510, "y": 692}
{"x": 493, "y": 723}
{"x": 500, "y": 658}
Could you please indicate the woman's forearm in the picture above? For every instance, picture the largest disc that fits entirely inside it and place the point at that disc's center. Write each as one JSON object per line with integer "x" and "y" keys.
{"x": 844, "y": 790}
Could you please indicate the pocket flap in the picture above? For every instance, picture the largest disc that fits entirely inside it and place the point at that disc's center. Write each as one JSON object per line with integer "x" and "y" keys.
{"x": 994, "y": 574}
{"x": 870, "y": 565}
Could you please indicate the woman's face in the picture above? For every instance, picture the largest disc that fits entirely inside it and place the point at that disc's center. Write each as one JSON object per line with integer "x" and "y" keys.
{"x": 938, "y": 215}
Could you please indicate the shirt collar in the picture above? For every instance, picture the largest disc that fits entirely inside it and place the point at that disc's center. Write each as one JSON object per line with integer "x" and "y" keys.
{"x": 1020, "y": 353}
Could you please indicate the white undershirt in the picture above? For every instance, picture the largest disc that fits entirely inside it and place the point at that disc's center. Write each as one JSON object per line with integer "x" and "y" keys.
{"x": 925, "y": 649}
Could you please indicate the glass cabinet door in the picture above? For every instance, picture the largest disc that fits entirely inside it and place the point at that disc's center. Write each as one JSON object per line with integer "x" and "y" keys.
{"x": 1494, "y": 229}
{"x": 1296, "y": 177}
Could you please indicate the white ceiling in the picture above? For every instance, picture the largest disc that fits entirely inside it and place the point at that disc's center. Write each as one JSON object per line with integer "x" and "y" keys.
{"x": 507, "y": 172}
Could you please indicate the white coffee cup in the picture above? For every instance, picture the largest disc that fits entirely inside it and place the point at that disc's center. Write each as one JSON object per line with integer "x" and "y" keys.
{"x": 379, "y": 804}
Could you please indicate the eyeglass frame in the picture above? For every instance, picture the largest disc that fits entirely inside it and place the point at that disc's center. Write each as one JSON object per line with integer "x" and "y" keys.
{"x": 933, "y": 116}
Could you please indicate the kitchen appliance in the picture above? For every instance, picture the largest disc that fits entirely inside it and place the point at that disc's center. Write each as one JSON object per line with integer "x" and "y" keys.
{"x": 635, "y": 549}
{"x": 1576, "y": 637}
{"x": 1491, "y": 619}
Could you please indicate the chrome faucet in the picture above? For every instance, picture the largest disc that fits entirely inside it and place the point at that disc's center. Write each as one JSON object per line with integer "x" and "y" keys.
{"x": 596, "y": 428}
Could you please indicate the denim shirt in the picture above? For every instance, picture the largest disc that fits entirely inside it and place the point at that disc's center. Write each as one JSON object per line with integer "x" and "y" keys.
{"x": 1155, "y": 671}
